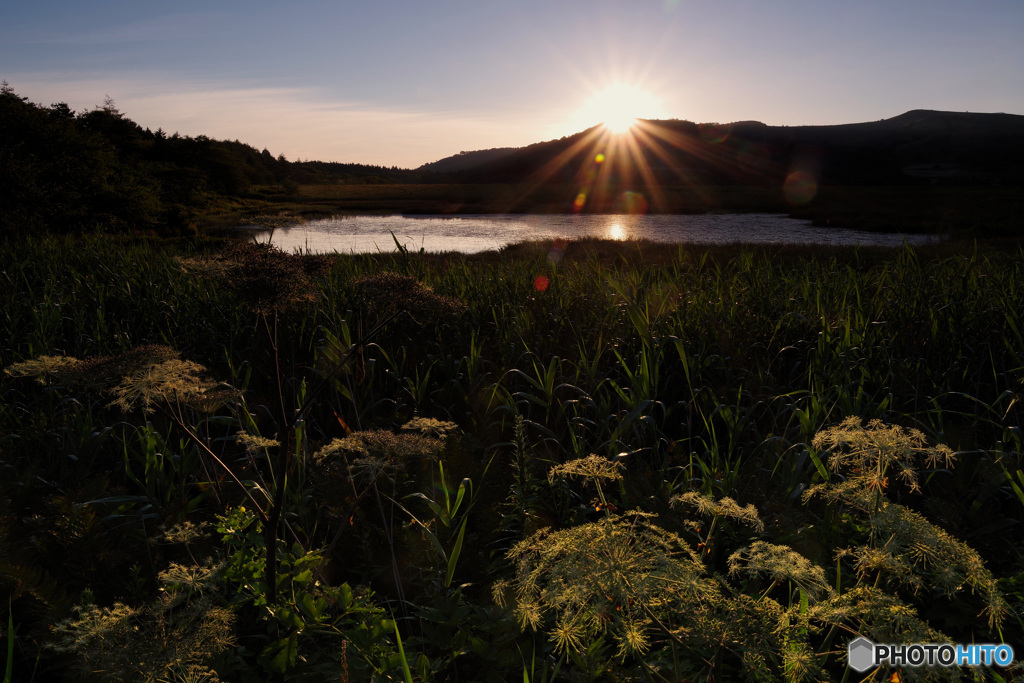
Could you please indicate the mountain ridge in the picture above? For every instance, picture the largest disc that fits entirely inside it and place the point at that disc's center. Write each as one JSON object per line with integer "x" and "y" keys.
{"x": 917, "y": 147}
{"x": 980, "y": 142}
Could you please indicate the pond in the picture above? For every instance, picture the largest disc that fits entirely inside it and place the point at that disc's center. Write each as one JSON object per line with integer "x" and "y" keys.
{"x": 472, "y": 234}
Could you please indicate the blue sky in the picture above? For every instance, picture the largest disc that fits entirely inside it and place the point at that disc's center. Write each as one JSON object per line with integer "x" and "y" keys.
{"x": 405, "y": 83}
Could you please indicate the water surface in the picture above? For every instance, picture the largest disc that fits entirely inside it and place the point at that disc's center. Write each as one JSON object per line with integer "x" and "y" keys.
{"x": 472, "y": 234}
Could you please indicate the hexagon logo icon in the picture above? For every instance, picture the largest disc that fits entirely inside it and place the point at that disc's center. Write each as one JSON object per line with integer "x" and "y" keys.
{"x": 861, "y": 654}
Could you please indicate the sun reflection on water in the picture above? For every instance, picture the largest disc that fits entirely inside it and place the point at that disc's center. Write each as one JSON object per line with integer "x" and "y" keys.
{"x": 616, "y": 232}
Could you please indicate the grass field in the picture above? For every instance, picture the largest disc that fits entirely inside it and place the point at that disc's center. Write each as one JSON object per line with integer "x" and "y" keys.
{"x": 602, "y": 461}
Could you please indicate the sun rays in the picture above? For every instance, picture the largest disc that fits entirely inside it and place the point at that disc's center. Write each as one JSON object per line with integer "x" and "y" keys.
{"x": 633, "y": 158}
{"x": 618, "y": 106}
{"x": 612, "y": 172}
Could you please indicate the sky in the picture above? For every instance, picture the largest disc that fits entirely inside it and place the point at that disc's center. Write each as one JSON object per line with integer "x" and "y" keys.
{"x": 403, "y": 83}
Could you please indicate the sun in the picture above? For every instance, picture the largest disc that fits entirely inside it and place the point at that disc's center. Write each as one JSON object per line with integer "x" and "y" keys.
{"x": 617, "y": 106}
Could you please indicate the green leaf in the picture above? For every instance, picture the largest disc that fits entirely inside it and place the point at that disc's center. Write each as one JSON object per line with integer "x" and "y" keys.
{"x": 279, "y": 655}
{"x": 406, "y": 673}
{"x": 423, "y": 667}
{"x": 461, "y": 494}
{"x": 308, "y": 606}
{"x": 289, "y": 618}
{"x": 456, "y": 550}
{"x": 303, "y": 578}
{"x": 9, "y": 673}
{"x": 819, "y": 465}
{"x": 345, "y": 597}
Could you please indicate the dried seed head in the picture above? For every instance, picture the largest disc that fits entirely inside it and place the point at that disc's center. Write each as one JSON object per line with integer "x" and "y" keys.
{"x": 265, "y": 277}
{"x": 255, "y": 444}
{"x": 605, "y": 578}
{"x": 385, "y": 293}
{"x": 590, "y": 467}
{"x": 780, "y": 563}
{"x": 726, "y": 508}
{"x": 138, "y": 378}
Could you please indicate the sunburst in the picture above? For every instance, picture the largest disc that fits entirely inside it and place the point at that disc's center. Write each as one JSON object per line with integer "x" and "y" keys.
{"x": 626, "y": 161}
{"x": 618, "y": 106}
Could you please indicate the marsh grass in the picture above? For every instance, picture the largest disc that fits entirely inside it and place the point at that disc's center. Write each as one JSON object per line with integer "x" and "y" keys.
{"x": 698, "y": 375}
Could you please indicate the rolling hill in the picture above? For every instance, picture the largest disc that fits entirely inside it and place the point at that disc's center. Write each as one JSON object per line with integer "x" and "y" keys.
{"x": 919, "y": 147}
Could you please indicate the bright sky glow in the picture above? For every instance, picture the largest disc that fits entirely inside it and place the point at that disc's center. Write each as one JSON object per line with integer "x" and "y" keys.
{"x": 618, "y": 106}
{"x": 405, "y": 82}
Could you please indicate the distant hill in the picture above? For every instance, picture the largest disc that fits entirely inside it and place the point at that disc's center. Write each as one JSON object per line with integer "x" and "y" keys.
{"x": 918, "y": 147}
{"x": 466, "y": 160}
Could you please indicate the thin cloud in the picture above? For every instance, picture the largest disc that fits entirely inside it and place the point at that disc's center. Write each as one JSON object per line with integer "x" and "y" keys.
{"x": 175, "y": 27}
{"x": 296, "y": 122}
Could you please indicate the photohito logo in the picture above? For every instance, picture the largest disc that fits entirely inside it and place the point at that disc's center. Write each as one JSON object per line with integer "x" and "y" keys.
{"x": 862, "y": 655}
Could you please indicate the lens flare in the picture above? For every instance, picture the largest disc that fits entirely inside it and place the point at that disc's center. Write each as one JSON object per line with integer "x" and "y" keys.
{"x": 800, "y": 187}
{"x": 599, "y": 159}
{"x": 632, "y": 203}
{"x": 540, "y": 283}
{"x": 714, "y": 133}
{"x": 577, "y": 204}
{"x": 555, "y": 254}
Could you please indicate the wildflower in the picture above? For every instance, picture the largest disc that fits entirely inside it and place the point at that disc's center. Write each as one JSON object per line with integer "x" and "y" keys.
{"x": 870, "y": 452}
{"x": 122, "y": 643}
{"x": 903, "y": 547}
{"x": 430, "y": 427}
{"x": 45, "y": 368}
{"x": 780, "y": 564}
{"x": 138, "y": 378}
{"x": 724, "y": 508}
{"x": 184, "y": 532}
{"x": 372, "y": 454}
{"x": 590, "y": 467}
{"x": 606, "y": 577}
{"x": 255, "y": 444}
{"x": 171, "y": 381}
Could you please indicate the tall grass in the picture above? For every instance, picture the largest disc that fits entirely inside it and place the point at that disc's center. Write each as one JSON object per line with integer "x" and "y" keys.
{"x": 699, "y": 370}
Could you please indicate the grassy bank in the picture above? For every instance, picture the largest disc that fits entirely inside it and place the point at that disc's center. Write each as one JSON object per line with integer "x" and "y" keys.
{"x": 320, "y": 468}
{"x": 992, "y": 212}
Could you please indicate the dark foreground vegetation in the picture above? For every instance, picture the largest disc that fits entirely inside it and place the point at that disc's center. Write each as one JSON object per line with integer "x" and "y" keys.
{"x": 584, "y": 461}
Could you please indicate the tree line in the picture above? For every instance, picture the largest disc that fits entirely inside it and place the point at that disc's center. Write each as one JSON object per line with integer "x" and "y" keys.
{"x": 67, "y": 171}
